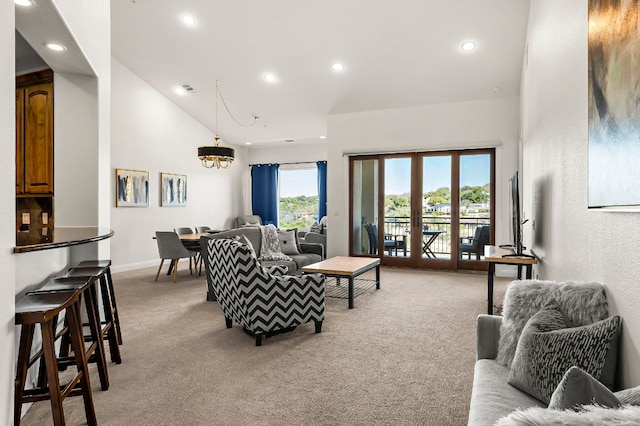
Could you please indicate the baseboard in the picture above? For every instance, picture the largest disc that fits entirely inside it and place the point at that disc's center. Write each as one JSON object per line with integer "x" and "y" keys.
{"x": 143, "y": 265}
{"x": 134, "y": 266}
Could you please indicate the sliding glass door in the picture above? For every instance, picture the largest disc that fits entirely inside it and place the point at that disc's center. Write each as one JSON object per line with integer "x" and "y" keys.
{"x": 436, "y": 227}
{"x": 476, "y": 206}
{"x": 364, "y": 205}
{"x": 425, "y": 210}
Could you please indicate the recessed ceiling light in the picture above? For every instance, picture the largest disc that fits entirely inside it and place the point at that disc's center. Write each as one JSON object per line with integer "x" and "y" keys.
{"x": 468, "y": 46}
{"x": 188, "y": 20}
{"x": 270, "y": 77}
{"x": 247, "y": 143}
{"x": 496, "y": 90}
{"x": 323, "y": 137}
{"x": 337, "y": 67}
{"x": 56, "y": 47}
{"x": 24, "y": 2}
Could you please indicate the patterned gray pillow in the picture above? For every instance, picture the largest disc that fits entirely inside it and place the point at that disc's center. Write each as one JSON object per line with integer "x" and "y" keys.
{"x": 547, "y": 349}
{"x": 578, "y": 388}
{"x": 316, "y": 227}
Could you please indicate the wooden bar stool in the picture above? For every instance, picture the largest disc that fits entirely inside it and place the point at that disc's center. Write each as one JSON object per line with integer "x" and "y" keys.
{"x": 95, "y": 351}
{"x": 106, "y": 264}
{"x": 42, "y": 308}
{"x": 108, "y": 327}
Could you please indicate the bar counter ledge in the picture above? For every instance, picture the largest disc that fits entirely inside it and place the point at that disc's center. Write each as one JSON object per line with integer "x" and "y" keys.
{"x": 36, "y": 239}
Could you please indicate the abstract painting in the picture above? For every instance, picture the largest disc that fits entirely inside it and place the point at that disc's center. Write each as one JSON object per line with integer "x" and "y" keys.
{"x": 132, "y": 188}
{"x": 174, "y": 190}
{"x": 614, "y": 103}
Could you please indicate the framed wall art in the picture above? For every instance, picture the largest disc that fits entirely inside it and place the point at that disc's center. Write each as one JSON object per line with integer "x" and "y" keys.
{"x": 613, "y": 108}
{"x": 174, "y": 190}
{"x": 132, "y": 188}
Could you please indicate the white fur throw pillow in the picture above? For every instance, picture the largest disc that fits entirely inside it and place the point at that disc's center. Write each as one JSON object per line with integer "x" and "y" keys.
{"x": 583, "y": 303}
{"x": 589, "y": 415}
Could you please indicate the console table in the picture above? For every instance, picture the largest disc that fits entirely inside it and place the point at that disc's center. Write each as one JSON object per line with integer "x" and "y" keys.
{"x": 493, "y": 255}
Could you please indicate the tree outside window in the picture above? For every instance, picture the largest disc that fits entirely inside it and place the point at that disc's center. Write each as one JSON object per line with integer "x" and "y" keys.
{"x": 298, "y": 204}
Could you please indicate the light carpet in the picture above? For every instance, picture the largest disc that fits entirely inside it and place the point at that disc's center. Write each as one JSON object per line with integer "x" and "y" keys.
{"x": 404, "y": 355}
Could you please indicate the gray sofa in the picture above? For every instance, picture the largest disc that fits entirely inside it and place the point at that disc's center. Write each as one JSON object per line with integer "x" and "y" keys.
{"x": 311, "y": 253}
{"x": 493, "y": 398}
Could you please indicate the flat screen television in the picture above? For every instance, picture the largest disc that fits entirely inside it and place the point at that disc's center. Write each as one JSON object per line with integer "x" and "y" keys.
{"x": 516, "y": 219}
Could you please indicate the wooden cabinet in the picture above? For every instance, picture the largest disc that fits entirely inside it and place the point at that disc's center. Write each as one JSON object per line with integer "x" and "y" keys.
{"x": 19, "y": 141}
{"x": 34, "y": 133}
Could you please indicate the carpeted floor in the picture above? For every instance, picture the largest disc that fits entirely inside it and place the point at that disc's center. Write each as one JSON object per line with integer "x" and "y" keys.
{"x": 404, "y": 355}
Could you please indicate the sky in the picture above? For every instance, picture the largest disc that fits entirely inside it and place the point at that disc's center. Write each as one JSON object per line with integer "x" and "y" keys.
{"x": 298, "y": 182}
{"x": 437, "y": 174}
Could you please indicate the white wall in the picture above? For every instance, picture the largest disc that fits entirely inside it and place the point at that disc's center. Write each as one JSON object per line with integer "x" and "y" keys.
{"x": 90, "y": 25}
{"x": 149, "y": 132}
{"x": 574, "y": 243}
{"x": 462, "y": 125}
{"x": 7, "y": 211}
{"x": 291, "y": 153}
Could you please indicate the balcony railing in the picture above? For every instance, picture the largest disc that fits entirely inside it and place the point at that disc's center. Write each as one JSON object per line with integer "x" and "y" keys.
{"x": 400, "y": 225}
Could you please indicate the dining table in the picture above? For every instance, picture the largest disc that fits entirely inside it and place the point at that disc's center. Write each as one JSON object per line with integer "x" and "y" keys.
{"x": 193, "y": 237}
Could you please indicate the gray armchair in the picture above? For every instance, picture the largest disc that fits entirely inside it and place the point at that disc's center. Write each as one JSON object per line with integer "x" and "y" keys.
{"x": 317, "y": 234}
{"x": 247, "y": 219}
{"x": 314, "y": 238}
{"x": 170, "y": 247}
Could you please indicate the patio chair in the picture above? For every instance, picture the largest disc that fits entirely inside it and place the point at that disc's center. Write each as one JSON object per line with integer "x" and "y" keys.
{"x": 475, "y": 244}
{"x": 389, "y": 243}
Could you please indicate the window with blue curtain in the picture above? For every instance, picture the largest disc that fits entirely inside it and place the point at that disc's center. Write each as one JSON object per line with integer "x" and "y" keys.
{"x": 322, "y": 189}
{"x": 264, "y": 192}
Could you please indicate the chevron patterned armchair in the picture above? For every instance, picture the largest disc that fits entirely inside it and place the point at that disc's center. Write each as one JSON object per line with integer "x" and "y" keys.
{"x": 264, "y": 304}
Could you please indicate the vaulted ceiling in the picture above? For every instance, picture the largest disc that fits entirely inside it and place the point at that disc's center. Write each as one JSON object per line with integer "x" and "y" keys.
{"x": 395, "y": 54}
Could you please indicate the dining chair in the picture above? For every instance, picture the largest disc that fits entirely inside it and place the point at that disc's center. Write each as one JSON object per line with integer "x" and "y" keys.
{"x": 170, "y": 247}
{"x": 200, "y": 229}
{"x": 190, "y": 245}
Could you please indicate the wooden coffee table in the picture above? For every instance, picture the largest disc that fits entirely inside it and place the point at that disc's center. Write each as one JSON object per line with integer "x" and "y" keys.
{"x": 345, "y": 267}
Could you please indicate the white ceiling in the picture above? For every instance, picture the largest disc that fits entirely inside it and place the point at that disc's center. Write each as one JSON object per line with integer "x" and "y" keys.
{"x": 396, "y": 54}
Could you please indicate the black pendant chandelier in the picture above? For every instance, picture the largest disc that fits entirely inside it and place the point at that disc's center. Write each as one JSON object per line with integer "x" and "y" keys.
{"x": 219, "y": 156}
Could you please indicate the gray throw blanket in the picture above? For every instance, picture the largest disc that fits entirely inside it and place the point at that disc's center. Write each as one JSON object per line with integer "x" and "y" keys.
{"x": 270, "y": 249}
